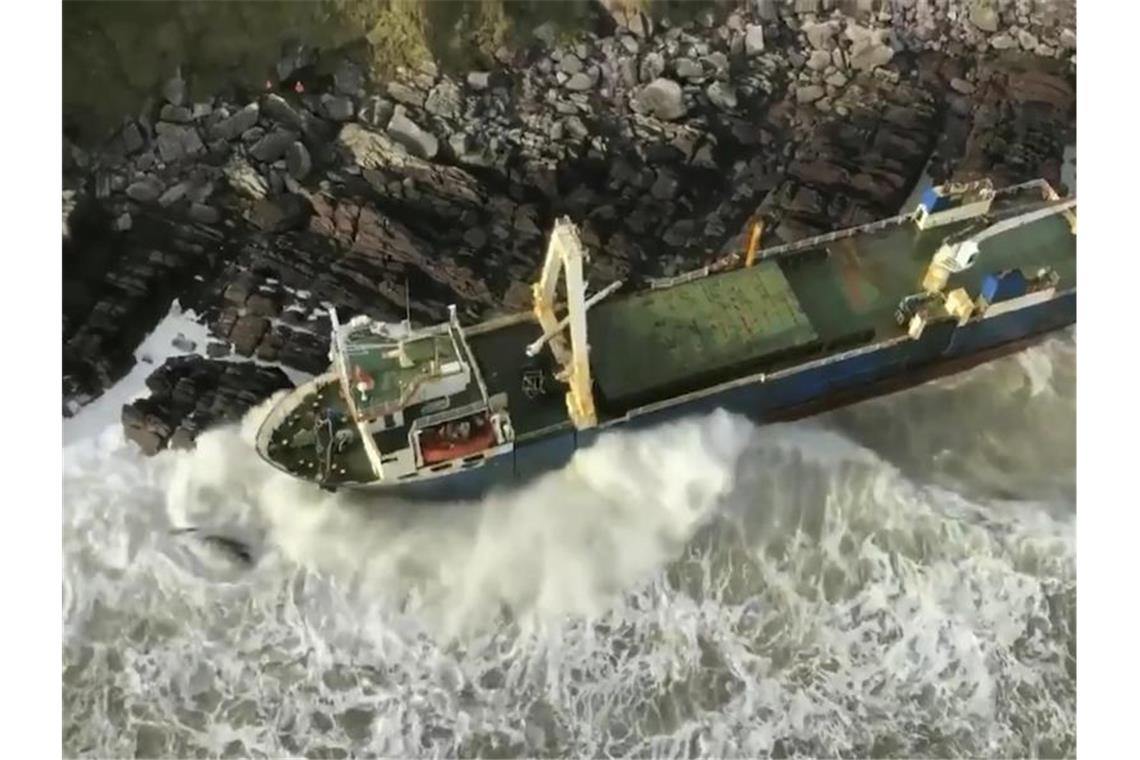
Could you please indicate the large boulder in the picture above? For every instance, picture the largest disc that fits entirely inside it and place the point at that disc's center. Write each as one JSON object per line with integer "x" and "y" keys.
{"x": 662, "y": 98}
{"x": 754, "y": 39}
{"x": 984, "y": 16}
{"x": 418, "y": 141}
{"x": 232, "y": 126}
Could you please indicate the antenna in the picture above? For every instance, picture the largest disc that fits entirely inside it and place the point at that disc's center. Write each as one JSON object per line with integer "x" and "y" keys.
{"x": 407, "y": 303}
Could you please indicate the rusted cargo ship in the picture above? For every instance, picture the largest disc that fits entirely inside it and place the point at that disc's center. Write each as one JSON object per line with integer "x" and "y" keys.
{"x": 449, "y": 411}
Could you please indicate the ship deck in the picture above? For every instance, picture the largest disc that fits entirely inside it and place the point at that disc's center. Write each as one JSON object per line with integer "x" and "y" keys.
{"x": 292, "y": 443}
{"x": 793, "y": 307}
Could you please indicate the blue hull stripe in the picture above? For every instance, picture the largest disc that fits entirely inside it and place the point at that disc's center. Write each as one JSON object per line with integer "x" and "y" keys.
{"x": 766, "y": 401}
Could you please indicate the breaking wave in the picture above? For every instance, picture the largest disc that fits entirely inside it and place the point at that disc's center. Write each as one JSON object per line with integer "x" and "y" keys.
{"x": 896, "y": 578}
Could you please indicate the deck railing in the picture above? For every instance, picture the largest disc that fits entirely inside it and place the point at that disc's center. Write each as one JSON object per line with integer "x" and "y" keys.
{"x": 797, "y": 246}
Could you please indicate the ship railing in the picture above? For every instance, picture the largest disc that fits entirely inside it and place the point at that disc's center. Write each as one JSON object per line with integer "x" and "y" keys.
{"x": 457, "y": 329}
{"x": 830, "y": 237}
{"x": 668, "y": 282}
{"x": 1047, "y": 191}
{"x": 797, "y": 246}
{"x": 301, "y": 395}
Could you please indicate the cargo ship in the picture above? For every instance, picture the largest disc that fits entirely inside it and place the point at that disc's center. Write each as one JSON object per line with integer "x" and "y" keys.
{"x": 450, "y": 411}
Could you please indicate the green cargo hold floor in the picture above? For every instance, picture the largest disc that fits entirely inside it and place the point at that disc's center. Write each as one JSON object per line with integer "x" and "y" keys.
{"x": 661, "y": 337}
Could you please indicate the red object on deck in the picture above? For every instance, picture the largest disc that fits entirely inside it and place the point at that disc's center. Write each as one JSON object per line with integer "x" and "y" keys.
{"x": 362, "y": 378}
{"x": 440, "y": 444}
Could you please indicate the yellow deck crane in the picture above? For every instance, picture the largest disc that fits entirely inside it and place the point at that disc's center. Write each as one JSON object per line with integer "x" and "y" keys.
{"x": 564, "y": 255}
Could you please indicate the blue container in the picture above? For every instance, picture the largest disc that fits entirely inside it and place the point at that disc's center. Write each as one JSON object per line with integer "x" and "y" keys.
{"x": 1002, "y": 286}
{"x": 935, "y": 201}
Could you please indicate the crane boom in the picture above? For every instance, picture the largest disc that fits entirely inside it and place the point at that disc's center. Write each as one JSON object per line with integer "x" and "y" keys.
{"x": 564, "y": 259}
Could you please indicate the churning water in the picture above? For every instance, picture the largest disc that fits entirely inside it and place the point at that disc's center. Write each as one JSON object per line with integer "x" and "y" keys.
{"x": 893, "y": 579}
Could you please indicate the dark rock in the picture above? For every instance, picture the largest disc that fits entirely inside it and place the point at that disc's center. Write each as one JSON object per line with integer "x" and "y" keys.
{"x": 722, "y": 95}
{"x": 247, "y": 333}
{"x": 444, "y": 100}
{"x": 376, "y": 111}
{"x": 277, "y": 185}
{"x": 547, "y": 32}
{"x": 337, "y": 107}
{"x": 173, "y": 194}
{"x": 575, "y": 128}
{"x": 348, "y": 79}
{"x": 409, "y": 134}
{"x": 570, "y": 64}
{"x": 652, "y": 66}
{"x": 401, "y": 93}
{"x": 767, "y": 10}
{"x": 294, "y": 57}
{"x": 183, "y": 438}
{"x": 175, "y": 90}
{"x": 231, "y": 127}
{"x": 200, "y": 189}
{"x": 189, "y": 394}
{"x": 665, "y": 187}
{"x": 663, "y": 99}
{"x": 298, "y": 162}
{"x": 278, "y": 109}
{"x": 176, "y": 114}
{"x": 579, "y": 82}
{"x": 679, "y": 232}
{"x": 252, "y": 135}
{"x": 270, "y": 346}
{"x": 146, "y": 190}
{"x": 303, "y": 350}
{"x": 262, "y": 305}
{"x": 224, "y": 324}
{"x": 687, "y": 68}
{"x": 204, "y": 214}
{"x": 150, "y": 441}
{"x": 131, "y": 138}
{"x": 184, "y": 344}
{"x": 216, "y": 350}
{"x": 286, "y": 212}
{"x": 236, "y": 293}
{"x": 293, "y": 317}
{"x": 627, "y": 72}
{"x": 475, "y": 237}
{"x": 177, "y": 141}
{"x": 272, "y": 146}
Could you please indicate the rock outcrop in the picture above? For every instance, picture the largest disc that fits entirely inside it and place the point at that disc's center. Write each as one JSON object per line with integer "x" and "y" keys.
{"x": 661, "y": 139}
{"x": 191, "y": 394}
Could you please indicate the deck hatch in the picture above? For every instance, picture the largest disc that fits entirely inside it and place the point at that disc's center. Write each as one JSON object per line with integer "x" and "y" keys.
{"x": 665, "y": 338}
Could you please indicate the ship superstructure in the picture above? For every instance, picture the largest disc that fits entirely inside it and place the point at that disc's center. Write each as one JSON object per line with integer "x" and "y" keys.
{"x": 398, "y": 404}
{"x": 772, "y": 332}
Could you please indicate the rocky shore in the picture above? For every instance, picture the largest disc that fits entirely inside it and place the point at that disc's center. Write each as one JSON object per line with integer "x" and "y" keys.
{"x": 259, "y": 210}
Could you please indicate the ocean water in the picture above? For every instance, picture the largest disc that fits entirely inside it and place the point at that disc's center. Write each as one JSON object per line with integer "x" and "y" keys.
{"x": 892, "y": 579}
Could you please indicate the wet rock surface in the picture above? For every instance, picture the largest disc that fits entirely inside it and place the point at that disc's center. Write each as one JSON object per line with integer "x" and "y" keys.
{"x": 661, "y": 139}
{"x": 189, "y": 394}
